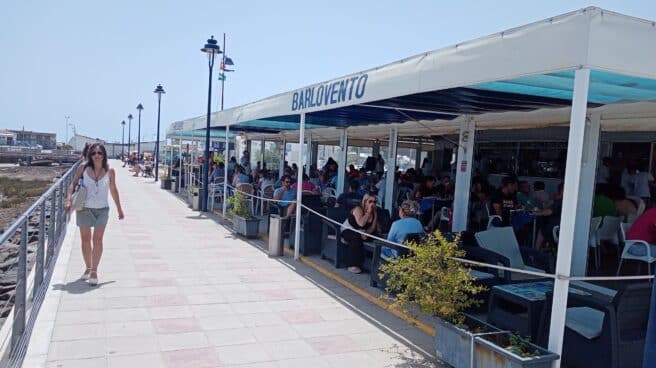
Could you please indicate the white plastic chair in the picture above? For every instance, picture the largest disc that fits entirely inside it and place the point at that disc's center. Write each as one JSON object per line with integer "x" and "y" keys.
{"x": 639, "y": 203}
{"x": 502, "y": 240}
{"x": 556, "y": 233}
{"x": 631, "y": 247}
{"x": 266, "y": 193}
{"x": 215, "y": 191}
{"x": 491, "y": 219}
{"x": 609, "y": 230}
{"x": 593, "y": 239}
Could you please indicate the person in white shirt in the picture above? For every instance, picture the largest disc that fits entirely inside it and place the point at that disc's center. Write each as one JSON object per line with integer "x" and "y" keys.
{"x": 604, "y": 170}
{"x": 629, "y": 179}
{"x": 643, "y": 182}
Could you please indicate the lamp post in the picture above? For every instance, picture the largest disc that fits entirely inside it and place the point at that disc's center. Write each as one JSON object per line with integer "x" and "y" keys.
{"x": 66, "y": 139}
{"x": 211, "y": 49}
{"x": 123, "y": 141}
{"x": 159, "y": 91}
{"x": 139, "y": 107}
{"x": 129, "y": 132}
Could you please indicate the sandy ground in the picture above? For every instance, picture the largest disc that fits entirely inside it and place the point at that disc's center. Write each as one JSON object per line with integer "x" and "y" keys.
{"x": 52, "y": 173}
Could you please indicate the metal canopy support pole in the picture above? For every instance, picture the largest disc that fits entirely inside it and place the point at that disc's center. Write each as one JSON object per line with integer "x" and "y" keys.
{"x": 225, "y": 170}
{"x": 262, "y": 146}
{"x": 315, "y": 154}
{"x": 375, "y": 149}
{"x": 418, "y": 158}
{"x": 575, "y": 146}
{"x": 310, "y": 157}
{"x": 299, "y": 192}
{"x": 391, "y": 168}
{"x": 586, "y": 195}
{"x": 463, "y": 175}
{"x": 281, "y": 165}
{"x": 341, "y": 164}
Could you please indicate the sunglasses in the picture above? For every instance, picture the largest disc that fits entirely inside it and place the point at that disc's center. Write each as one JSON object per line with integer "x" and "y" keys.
{"x": 286, "y": 181}
{"x": 96, "y": 153}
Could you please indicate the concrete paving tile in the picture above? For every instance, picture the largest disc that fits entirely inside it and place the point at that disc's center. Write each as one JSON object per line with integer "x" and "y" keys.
{"x": 76, "y": 349}
{"x": 77, "y": 363}
{"x": 314, "y": 362}
{"x": 274, "y": 333}
{"x": 180, "y": 341}
{"x": 124, "y": 345}
{"x": 136, "y": 360}
{"x": 192, "y": 358}
{"x": 290, "y": 349}
{"x": 242, "y": 354}
{"x": 176, "y": 325}
{"x": 78, "y": 332}
{"x": 131, "y": 328}
{"x": 235, "y": 336}
{"x": 175, "y": 311}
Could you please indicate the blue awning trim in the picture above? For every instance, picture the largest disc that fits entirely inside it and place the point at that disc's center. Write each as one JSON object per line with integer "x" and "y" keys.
{"x": 605, "y": 88}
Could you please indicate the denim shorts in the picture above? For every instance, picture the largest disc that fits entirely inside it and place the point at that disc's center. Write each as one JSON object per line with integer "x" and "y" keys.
{"x": 92, "y": 217}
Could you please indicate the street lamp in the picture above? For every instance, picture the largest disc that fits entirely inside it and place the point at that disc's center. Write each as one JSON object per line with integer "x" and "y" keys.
{"x": 67, "y": 118}
{"x": 225, "y": 61}
{"x": 129, "y": 132}
{"x": 159, "y": 91}
{"x": 139, "y": 107}
{"x": 123, "y": 141}
{"x": 211, "y": 49}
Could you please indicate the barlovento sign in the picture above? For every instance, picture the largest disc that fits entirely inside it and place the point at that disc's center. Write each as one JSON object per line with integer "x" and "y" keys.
{"x": 330, "y": 93}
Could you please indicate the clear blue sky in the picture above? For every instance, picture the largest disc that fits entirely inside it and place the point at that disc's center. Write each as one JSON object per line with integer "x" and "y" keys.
{"x": 95, "y": 61}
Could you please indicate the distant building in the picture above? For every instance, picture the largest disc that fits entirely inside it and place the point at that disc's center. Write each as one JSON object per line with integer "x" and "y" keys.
{"x": 30, "y": 138}
{"x": 7, "y": 138}
{"x": 79, "y": 141}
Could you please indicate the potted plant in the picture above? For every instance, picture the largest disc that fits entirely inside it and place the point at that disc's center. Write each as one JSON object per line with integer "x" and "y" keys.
{"x": 431, "y": 279}
{"x": 243, "y": 221}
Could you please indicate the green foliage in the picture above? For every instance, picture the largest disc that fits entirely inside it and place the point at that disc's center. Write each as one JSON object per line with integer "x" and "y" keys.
{"x": 430, "y": 278}
{"x": 239, "y": 206}
{"x": 521, "y": 346}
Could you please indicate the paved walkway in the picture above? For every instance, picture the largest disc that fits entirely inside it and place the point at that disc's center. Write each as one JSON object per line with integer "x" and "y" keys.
{"x": 179, "y": 290}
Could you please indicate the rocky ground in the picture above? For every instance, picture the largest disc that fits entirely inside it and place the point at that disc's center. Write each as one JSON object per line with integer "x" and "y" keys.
{"x": 20, "y": 186}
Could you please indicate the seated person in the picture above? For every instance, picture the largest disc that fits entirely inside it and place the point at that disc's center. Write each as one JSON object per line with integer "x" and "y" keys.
{"x": 362, "y": 217}
{"x": 286, "y": 197}
{"x": 406, "y": 224}
{"x": 306, "y": 186}
{"x": 353, "y": 172}
{"x": 624, "y": 206}
{"x": 602, "y": 205}
{"x": 240, "y": 177}
{"x": 524, "y": 195}
{"x": 447, "y": 189}
{"x": 345, "y": 199}
{"x": 218, "y": 172}
{"x": 363, "y": 180}
{"x": 644, "y": 227}
{"x": 505, "y": 200}
{"x": 427, "y": 188}
{"x": 322, "y": 183}
{"x": 540, "y": 196}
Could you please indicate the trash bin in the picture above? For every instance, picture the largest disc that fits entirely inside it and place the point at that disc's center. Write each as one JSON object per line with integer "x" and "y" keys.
{"x": 195, "y": 200}
{"x": 275, "y": 235}
{"x": 174, "y": 184}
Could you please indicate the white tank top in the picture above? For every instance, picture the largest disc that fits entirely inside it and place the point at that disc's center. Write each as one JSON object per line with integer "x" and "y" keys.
{"x": 96, "y": 190}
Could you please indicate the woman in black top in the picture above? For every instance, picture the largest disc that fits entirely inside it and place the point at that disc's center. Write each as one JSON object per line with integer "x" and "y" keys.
{"x": 363, "y": 218}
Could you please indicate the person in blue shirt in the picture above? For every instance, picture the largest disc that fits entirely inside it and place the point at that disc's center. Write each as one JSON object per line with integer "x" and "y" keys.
{"x": 407, "y": 224}
{"x": 219, "y": 171}
{"x": 286, "y": 194}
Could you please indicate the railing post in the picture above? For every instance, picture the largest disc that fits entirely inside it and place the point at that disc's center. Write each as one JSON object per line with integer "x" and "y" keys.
{"x": 51, "y": 227}
{"x": 60, "y": 212}
{"x": 38, "y": 267}
{"x": 21, "y": 275}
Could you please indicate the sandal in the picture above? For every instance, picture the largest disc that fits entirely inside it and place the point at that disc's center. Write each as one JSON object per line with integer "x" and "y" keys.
{"x": 85, "y": 275}
{"x": 93, "y": 278}
{"x": 354, "y": 269}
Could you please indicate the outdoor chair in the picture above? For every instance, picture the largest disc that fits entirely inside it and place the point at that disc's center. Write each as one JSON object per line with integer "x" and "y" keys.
{"x": 555, "y": 232}
{"x": 640, "y": 204}
{"x": 638, "y": 250}
{"x": 593, "y": 239}
{"x": 215, "y": 192}
{"x": 602, "y": 330}
{"x": 331, "y": 237}
{"x": 266, "y": 193}
{"x": 502, "y": 243}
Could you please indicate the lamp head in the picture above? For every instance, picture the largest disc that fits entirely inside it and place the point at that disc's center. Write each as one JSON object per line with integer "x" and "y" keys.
{"x": 159, "y": 90}
{"x": 130, "y": 117}
{"x": 211, "y": 47}
{"x": 139, "y": 107}
{"x": 123, "y": 122}
{"x": 228, "y": 61}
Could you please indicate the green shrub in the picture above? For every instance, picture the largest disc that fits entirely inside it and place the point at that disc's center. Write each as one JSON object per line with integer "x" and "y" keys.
{"x": 430, "y": 278}
{"x": 239, "y": 205}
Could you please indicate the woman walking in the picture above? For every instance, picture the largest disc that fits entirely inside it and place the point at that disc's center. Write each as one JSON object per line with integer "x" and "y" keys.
{"x": 98, "y": 179}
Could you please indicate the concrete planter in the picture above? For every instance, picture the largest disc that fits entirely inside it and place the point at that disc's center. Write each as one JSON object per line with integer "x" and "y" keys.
{"x": 484, "y": 348}
{"x": 246, "y": 227}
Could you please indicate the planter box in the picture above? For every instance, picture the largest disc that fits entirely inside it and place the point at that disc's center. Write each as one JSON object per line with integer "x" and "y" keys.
{"x": 166, "y": 184}
{"x": 246, "y": 227}
{"x": 455, "y": 346}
